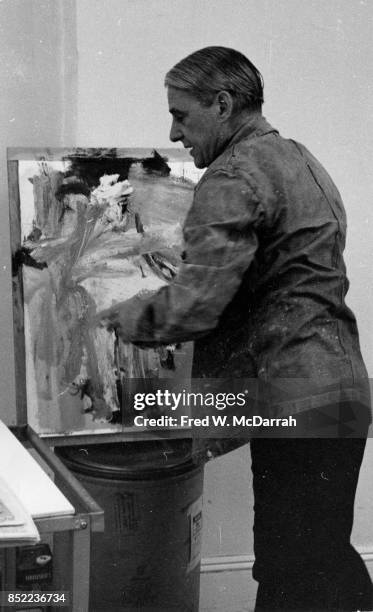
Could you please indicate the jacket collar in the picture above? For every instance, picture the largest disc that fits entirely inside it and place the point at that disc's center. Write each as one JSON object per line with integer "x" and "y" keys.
{"x": 256, "y": 126}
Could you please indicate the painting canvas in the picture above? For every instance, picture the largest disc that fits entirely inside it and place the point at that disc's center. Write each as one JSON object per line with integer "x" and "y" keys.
{"x": 91, "y": 228}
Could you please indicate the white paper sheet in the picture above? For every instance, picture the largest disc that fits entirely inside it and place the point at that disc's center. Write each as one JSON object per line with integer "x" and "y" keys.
{"x": 24, "y": 476}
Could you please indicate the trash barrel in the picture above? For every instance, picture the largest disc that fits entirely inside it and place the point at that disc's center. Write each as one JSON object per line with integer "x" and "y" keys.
{"x": 148, "y": 557}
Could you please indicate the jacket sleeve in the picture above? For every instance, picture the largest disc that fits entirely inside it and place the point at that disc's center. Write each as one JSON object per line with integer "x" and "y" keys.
{"x": 220, "y": 243}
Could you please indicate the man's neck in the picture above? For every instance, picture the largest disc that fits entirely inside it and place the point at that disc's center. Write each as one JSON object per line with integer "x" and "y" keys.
{"x": 240, "y": 122}
{"x": 231, "y": 130}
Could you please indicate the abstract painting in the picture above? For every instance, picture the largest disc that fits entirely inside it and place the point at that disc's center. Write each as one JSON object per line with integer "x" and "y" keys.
{"x": 90, "y": 228}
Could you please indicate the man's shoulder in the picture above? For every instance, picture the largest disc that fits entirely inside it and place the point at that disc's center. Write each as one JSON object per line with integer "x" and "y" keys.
{"x": 265, "y": 156}
{"x": 274, "y": 170}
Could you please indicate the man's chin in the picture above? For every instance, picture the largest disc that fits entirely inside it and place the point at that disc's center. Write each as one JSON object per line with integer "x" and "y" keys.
{"x": 199, "y": 163}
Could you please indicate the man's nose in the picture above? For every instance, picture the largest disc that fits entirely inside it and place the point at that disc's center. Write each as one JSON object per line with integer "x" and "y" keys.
{"x": 175, "y": 132}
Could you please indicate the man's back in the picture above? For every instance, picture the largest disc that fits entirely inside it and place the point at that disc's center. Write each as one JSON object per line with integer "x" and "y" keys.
{"x": 288, "y": 318}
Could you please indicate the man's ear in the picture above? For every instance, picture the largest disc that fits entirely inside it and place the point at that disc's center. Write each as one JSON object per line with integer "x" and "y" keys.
{"x": 225, "y": 105}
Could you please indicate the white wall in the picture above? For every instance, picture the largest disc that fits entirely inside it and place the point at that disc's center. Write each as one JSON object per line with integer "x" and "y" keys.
{"x": 317, "y": 62}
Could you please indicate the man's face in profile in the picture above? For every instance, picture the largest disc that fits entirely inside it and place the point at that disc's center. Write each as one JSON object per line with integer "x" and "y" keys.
{"x": 195, "y": 125}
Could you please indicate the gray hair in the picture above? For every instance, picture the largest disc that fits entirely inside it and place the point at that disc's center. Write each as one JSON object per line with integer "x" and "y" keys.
{"x": 213, "y": 69}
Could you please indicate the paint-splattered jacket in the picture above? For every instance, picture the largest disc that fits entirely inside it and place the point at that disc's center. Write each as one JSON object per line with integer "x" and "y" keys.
{"x": 263, "y": 283}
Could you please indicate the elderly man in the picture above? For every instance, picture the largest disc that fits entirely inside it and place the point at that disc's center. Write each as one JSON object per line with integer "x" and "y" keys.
{"x": 261, "y": 290}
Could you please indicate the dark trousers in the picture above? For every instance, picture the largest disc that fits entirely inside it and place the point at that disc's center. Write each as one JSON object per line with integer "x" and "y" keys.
{"x": 304, "y": 492}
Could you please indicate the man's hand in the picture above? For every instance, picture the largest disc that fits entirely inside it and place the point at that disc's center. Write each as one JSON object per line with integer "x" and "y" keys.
{"x": 123, "y": 318}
